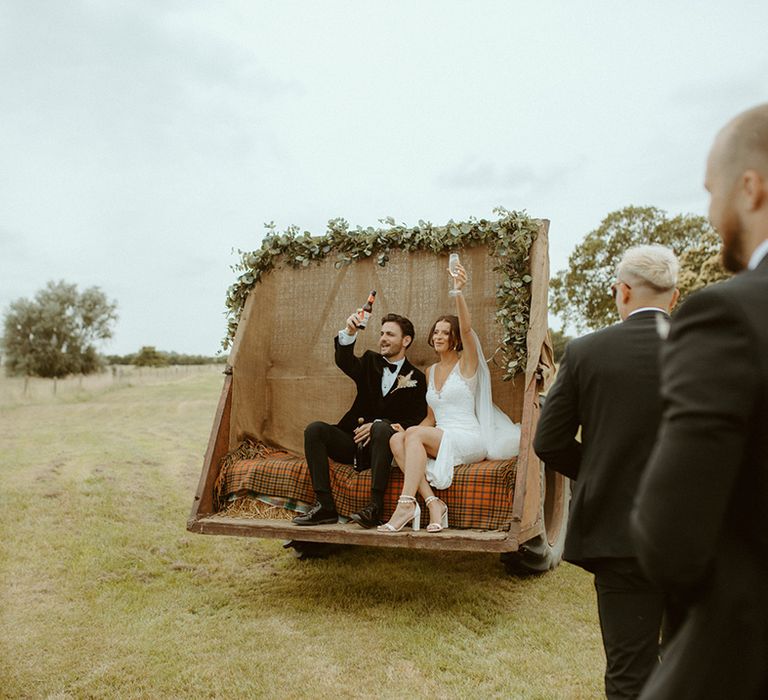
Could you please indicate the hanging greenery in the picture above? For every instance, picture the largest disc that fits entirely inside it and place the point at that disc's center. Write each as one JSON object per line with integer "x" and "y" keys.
{"x": 508, "y": 239}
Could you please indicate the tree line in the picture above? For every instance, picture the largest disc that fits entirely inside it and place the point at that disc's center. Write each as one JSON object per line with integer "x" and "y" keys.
{"x": 148, "y": 356}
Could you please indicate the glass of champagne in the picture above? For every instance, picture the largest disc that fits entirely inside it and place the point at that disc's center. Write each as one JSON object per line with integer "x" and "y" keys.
{"x": 453, "y": 261}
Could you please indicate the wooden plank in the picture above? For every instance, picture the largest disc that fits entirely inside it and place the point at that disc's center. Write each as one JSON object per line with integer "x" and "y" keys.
{"x": 351, "y": 533}
{"x": 527, "y": 503}
{"x": 218, "y": 444}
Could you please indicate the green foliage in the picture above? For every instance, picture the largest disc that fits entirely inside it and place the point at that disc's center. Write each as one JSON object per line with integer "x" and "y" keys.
{"x": 580, "y": 294}
{"x": 53, "y": 335}
{"x": 509, "y": 240}
{"x": 148, "y": 356}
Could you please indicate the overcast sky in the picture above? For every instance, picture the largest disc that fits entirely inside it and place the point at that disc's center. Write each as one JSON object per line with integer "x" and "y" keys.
{"x": 142, "y": 141}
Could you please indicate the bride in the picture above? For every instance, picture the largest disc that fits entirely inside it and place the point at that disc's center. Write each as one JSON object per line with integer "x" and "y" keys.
{"x": 462, "y": 424}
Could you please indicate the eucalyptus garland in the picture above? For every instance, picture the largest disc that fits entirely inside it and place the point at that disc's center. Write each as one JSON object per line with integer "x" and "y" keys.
{"x": 508, "y": 238}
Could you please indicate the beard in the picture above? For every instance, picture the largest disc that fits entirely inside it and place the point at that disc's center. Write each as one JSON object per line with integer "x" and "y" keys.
{"x": 732, "y": 250}
{"x": 730, "y": 228}
{"x": 390, "y": 351}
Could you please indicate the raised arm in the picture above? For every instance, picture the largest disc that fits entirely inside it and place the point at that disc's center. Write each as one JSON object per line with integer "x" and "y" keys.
{"x": 469, "y": 358}
{"x": 345, "y": 357}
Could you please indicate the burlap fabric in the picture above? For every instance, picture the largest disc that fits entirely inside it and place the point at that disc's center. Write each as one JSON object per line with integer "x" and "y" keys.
{"x": 284, "y": 376}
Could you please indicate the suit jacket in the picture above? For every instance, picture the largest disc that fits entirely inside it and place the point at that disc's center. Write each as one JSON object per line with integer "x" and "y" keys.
{"x": 701, "y": 519}
{"x": 407, "y": 406}
{"x": 607, "y": 383}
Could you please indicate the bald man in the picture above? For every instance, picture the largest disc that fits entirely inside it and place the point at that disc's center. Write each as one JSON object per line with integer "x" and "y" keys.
{"x": 700, "y": 521}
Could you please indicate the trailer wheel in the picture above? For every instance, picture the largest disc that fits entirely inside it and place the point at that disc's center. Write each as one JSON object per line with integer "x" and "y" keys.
{"x": 545, "y": 551}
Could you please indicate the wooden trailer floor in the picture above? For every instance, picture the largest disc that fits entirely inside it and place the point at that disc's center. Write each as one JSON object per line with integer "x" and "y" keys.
{"x": 351, "y": 533}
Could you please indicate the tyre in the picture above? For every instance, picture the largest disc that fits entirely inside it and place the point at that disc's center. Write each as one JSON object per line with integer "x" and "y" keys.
{"x": 545, "y": 551}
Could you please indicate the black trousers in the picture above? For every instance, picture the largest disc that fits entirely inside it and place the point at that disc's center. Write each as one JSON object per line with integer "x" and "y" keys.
{"x": 630, "y": 610}
{"x": 322, "y": 441}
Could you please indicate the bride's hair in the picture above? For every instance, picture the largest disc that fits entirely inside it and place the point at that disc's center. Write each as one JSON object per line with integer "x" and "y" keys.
{"x": 455, "y": 332}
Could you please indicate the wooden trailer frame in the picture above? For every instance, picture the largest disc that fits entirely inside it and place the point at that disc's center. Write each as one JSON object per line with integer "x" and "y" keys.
{"x": 536, "y": 533}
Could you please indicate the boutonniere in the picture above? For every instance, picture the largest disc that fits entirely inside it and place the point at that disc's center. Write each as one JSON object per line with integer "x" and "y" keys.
{"x": 405, "y": 381}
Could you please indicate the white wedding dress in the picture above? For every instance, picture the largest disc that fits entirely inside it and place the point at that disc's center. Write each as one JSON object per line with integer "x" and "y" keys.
{"x": 473, "y": 427}
{"x": 454, "y": 409}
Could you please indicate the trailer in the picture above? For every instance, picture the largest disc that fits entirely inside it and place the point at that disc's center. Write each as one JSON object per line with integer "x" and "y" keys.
{"x": 290, "y": 300}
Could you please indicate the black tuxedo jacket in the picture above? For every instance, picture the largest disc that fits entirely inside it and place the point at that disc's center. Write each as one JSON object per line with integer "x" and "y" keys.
{"x": 407, "y": 406}
{"x": 701, "y": 519}
{"x": 608, "y": 383}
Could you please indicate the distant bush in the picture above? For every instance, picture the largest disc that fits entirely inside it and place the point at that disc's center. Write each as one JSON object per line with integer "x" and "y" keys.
{"x": 148, "y": 356}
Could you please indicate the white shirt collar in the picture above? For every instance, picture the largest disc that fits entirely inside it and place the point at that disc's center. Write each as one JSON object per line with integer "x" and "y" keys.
{"x": 397, "y": 364}
{"x": 760, "y": 252}
{"x": 647, "y": 308}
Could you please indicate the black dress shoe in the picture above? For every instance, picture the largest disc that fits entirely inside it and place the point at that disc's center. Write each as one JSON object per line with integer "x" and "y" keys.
{"x": 317, "y": 515}
{"x": 370, "y": 516}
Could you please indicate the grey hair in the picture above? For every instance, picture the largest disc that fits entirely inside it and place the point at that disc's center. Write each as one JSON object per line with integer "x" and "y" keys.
{"x": 653, "y": 266}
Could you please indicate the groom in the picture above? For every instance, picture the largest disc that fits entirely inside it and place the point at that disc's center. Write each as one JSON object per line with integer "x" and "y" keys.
{"x": 390, "y": 392}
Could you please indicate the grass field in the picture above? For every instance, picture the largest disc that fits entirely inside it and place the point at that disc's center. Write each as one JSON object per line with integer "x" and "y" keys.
{"x": 103, "y": 593}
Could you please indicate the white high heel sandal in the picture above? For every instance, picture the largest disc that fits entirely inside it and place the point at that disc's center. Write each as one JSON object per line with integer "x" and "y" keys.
{"x": 415, "y": 519}
{"x": 443, "y": 524}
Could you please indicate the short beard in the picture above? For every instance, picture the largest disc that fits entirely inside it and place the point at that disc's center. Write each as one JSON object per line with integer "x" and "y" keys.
{"x": 731, "y": 254}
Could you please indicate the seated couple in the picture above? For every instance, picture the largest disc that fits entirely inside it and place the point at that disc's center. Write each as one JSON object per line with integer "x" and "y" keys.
{"x": 429, "y": 424}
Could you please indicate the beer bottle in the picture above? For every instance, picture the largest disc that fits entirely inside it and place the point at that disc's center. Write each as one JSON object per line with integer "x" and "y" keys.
{"x": 358, "y": 458}
{"x": 365, "y": 312}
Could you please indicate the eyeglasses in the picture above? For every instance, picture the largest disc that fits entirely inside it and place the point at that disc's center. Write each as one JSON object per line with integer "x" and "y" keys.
{"x": 615, "y": 288}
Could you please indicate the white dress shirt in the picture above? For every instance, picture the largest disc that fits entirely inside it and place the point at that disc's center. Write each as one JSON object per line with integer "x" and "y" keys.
{"x": 648, "y": 308}
{"x": 387, "y": 377}
{"x": 759, "y": 253}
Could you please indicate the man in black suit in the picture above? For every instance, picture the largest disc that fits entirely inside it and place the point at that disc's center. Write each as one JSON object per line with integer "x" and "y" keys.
{"x": 701, "y": 518}
{"x": 390, "y": 392}
{"x": 608, "y": 384}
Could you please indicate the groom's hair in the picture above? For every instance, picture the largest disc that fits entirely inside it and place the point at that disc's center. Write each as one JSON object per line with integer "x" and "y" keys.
{"x": 455, "y": 337}
{"x": 405, "y": 325}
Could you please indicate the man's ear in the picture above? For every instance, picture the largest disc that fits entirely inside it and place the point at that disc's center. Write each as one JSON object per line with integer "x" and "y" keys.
{"x": 407, "y": 340}
{"x": 755, "y": 189}
{"x": 626, "y": 293}
{"x": 673, "y": 300}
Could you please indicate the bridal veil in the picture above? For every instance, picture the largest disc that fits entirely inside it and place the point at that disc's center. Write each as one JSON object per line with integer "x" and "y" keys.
{"x": 500, "y": 435}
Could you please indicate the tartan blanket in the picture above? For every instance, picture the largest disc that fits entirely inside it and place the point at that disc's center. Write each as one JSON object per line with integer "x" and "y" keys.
{"x": 480, "y": 496}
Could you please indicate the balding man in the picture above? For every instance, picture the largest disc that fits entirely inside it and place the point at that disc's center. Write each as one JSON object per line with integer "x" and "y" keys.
{"x": 608, "y": 384}
{"x": 701, "y": 519}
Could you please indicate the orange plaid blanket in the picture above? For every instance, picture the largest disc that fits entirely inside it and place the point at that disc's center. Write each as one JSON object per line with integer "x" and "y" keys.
{"x": 480, "y": 496}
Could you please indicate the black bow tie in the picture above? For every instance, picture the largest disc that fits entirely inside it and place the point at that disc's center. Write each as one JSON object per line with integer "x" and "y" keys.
{"x": 389, "y": 366}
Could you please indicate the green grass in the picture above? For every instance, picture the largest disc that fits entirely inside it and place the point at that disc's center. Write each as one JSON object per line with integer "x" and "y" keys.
{"x": 103, "y": 593}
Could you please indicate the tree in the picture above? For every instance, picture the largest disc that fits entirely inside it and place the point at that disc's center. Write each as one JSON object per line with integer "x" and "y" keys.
{"x": 559, "y": 341}
{"x": 54, "y": 334}
{"x": 580, "y": 294}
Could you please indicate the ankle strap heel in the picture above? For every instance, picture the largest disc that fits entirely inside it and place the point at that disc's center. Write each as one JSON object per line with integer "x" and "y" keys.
{"x": 443, "y": 523}
{"x": 415, "y": 519}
